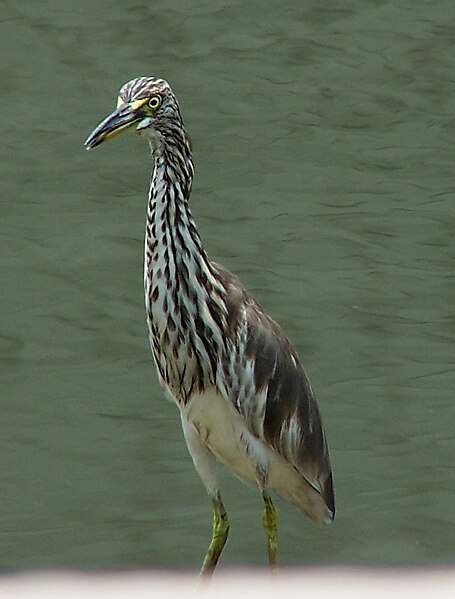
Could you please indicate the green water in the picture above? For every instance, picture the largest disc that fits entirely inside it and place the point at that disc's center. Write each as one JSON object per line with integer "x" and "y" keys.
{"x": 323, "y": 141}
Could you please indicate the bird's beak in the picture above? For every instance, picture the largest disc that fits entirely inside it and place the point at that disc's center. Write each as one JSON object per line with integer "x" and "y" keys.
{"x": 124, "y": 117}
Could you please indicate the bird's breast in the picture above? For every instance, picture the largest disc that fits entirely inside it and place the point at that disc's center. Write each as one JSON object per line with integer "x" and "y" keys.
{"x": 170, "y": 318}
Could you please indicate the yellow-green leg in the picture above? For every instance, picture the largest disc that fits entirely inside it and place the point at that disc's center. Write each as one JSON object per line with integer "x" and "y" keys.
{"x": 270, "y": 524}
{"x": 220, "y": 531}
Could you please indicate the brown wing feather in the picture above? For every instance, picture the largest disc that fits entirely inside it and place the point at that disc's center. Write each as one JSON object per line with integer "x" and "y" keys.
{"x": 291, "y": 421}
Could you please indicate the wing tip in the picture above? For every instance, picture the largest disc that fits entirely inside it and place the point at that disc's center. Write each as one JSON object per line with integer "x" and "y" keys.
{"x": 329, "y": 497}
{"x": 330, "y": 516}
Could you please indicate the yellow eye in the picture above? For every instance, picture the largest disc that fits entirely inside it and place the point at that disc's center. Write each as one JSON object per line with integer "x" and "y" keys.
{"x": 154, "y": 102}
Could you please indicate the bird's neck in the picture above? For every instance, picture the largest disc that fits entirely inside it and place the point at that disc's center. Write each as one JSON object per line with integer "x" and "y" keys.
{"x": 179, "y": 280}
{"x": 173, "y": 245}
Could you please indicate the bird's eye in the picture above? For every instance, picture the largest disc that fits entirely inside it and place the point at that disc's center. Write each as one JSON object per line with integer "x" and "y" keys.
{"x": 154, "y": 102}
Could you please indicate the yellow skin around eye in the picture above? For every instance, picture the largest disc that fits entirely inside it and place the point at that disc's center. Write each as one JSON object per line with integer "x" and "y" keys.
{"x": 134, "y": 105}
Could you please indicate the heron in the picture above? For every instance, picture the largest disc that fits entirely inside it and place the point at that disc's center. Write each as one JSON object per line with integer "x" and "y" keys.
{"x": 243, "y": 396}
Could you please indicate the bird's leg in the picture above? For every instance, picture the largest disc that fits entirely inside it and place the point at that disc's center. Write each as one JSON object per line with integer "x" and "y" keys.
{"x": 270, "y": 524}
{"x": 205, "y": 464}
{"x": 220, "y": 531}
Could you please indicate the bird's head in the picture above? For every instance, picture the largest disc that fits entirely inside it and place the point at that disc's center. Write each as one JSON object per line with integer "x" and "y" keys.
{"x": 146, "y": 105}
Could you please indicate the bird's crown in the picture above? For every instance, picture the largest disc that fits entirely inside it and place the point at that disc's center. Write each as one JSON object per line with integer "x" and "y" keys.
{"x": 143, "y": 87}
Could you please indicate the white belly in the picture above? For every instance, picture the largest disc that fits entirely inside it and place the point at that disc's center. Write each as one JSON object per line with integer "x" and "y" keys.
{"x": 222, "y": 429}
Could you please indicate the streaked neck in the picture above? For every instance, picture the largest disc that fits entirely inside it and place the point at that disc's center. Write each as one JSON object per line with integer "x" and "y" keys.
{"x": 173, "y": 244}
{"x": 183, "y": 296}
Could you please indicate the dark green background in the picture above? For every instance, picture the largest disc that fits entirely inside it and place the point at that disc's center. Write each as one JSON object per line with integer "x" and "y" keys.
{"x": 324, "y": 146}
